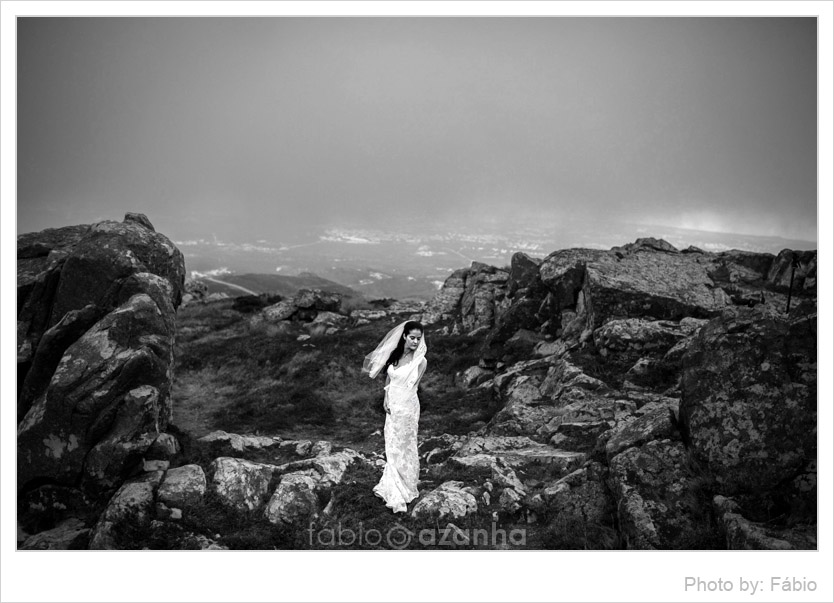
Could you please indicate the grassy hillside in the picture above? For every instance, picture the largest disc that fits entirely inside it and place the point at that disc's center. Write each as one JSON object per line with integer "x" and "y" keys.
{"x": 262, "y": 380}
{"x": 283, "y": 285}
{"x": 231, "y": 376}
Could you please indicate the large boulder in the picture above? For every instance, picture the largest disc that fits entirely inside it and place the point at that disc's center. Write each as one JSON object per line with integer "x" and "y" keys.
{"x": 306, "y": 305}
{"x": 322, "y": 301}
{"x": 650, "y": 284}
{"x": 331, "y": 467}
{"x": 472, "y": 377}
{"x": 540, "y": 394}
{"x": 294, "y": 499}
{"x": 107, "y": 253}
{"x": 522, "y": 412}
{"x": 527, "y": 311}
{"x": 304, "y": 482}
{"x": 447, "y": 501}
{"x": 96, "y": 327}
{"x": 655, "y": 421}
{"x": 503, "y": 475}
{"x": 279, "y": 311}
{"x": 273, "y": 449}
{"x": 106, "y": 402}
{"x": 618, "y": 335}
{"x": 581, "y": 497}
{"x": 650, "y": 244}
{"x": 563, "y": 273}
{"x": 744, "y": 266}
{"x": 130, "y": 508}
{"x": 222, "y": 443}
{"x": 653, "y": 489}
{"x": 165, "y": 447}
{"x": 524, "y": 271}
{"x": 40, "y": 258}
{"x": 242, "y": 485}
{"x": 445, "y": 303}
{"x": 483, "y": 296}
{"x": 518, "y": 453}
{"x": 648, "y": 279}
{"x": 472, "y": 297}
{"x": 749, "y": 394}
{"x": 182, "y": 487}
{"x": 803, "y": 265}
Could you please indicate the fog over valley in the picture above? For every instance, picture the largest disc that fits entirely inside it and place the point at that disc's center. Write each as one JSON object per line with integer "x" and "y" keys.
{"x": 412, "y": 260}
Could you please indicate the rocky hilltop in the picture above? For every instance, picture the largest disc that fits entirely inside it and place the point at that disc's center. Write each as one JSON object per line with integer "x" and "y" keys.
{"x": 95, "y": 336}
{"x": 650, "y": 377}
{"x": 642, "y": 397}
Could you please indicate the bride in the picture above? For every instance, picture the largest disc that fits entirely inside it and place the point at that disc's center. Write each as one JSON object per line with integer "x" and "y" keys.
{"x": 402, "y": 355}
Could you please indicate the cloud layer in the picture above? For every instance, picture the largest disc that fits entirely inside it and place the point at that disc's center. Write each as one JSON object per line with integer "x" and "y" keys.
{"x": 254, "y": 128}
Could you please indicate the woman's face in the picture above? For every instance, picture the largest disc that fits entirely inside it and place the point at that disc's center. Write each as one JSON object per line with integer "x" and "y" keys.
{"x": 412, "y": 340}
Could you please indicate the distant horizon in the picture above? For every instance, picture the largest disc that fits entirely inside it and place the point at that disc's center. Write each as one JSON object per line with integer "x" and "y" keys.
{"x": 378, "y": 228}
{"x": 117, "y": 215}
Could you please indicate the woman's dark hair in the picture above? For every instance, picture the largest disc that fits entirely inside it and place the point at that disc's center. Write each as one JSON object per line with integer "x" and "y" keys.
{"x": 395, "y": 356}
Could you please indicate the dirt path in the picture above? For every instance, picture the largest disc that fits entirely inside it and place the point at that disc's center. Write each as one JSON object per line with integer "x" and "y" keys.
{"x": 244, "y": 289}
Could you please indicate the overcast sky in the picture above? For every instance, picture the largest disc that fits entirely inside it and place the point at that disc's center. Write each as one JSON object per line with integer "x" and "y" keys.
{"x": 254, "y": 128}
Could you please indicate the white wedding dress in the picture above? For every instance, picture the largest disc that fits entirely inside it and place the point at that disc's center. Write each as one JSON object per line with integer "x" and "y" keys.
{"x": 398, "y": 485}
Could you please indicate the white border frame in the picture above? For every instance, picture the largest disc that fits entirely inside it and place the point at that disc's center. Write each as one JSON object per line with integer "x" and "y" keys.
{"x": 406, "y": 575}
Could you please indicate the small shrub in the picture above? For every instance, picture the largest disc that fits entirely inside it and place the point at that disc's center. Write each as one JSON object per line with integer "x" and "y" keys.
{"x": 246, "y": 304}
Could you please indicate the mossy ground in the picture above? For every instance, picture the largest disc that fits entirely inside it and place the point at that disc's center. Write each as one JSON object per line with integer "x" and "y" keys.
{"x": 231, "y": 376}
{"x": 263, "y": 380}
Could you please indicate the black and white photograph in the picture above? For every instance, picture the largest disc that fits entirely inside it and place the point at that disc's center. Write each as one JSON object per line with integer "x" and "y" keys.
{"x": 303, "y": 285}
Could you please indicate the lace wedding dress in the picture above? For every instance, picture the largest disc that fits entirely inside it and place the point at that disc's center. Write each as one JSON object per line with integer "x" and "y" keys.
{"x": 398, "y": 485}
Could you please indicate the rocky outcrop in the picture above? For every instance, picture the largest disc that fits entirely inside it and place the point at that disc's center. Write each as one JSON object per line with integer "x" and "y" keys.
{"x": 131, "y": 508}
{"x": 305, "y": 306}
{"x": 294, "y": 499}
{"x": 572, "y": 293}
{"x": 96, "y": 327}
{"x": 182, "y": 487}
{"x": 579, "y": 498}
{"x": 448, "y": 501}
{"x": 675, "y": 375}
{"x": 518, "y": 453}
{"x": 483, "y": 296}
{"x": 240, "y": 484}
{"x": 652, "y": 487}
{"x": 446, "y": 303}
{"x": 473, "y": 377}
{"x": 285, "y": 493}
{"x": 164, "y": 447}
{"x": 154, "y": 504}
{"x": 638, "y": 334}
{"x": 749, "y": 396}
{"x": 221, "y": 443}
{"x": 471, "y": 297}
{"x": 803, "y": 265}
{"x": 194, "y": 291}
{"x": 655, "y": 421}
{"x": 647, "y": 284}
{"x": 524, "y": 271}
{"x": 589, "y": 441}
